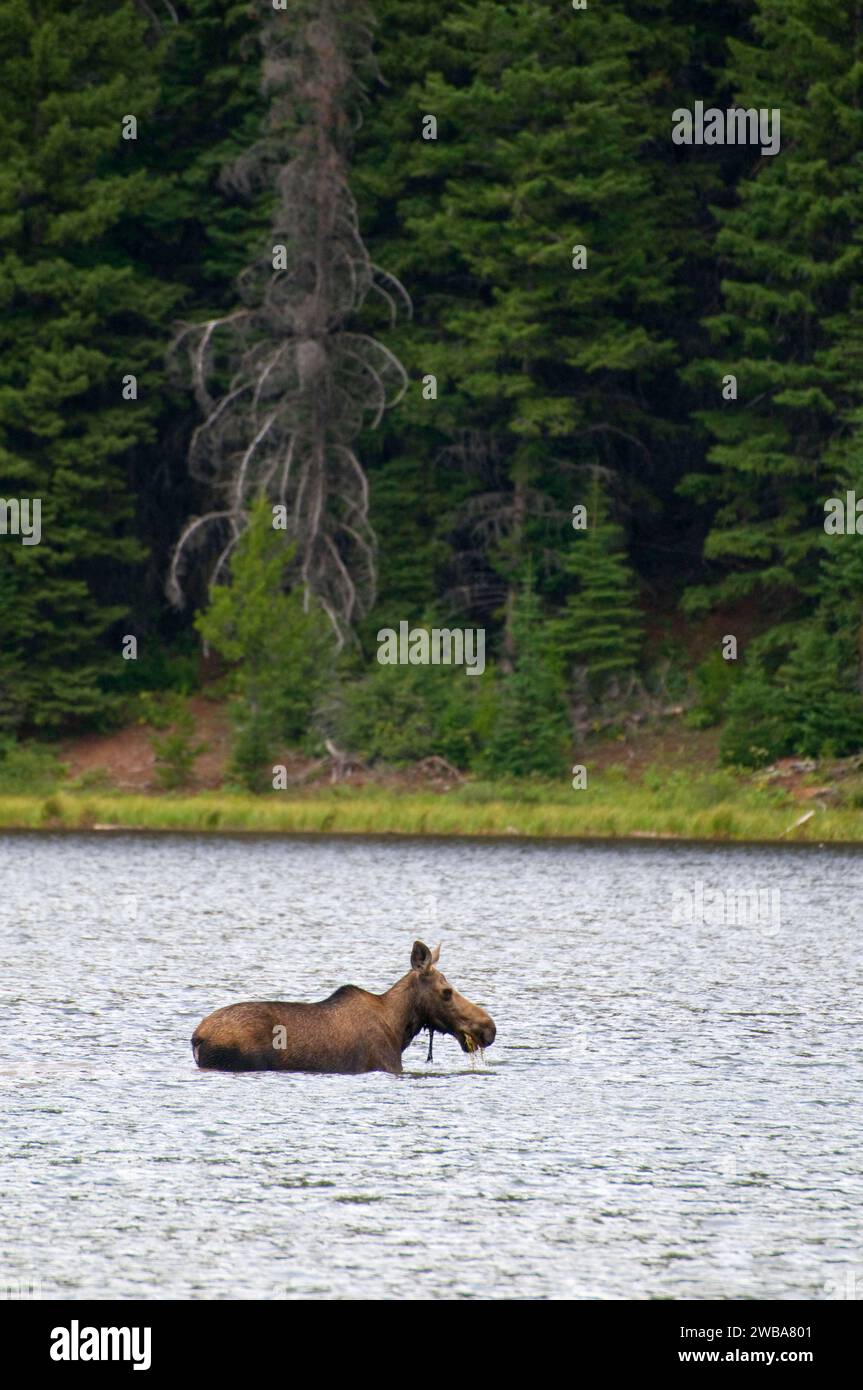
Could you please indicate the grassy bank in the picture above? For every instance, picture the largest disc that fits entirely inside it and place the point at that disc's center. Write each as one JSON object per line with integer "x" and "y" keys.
{"x": 712, "y": 806}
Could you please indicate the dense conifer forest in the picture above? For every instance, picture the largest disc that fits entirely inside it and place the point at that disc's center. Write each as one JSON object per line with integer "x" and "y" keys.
{"x": 323, "y": 318}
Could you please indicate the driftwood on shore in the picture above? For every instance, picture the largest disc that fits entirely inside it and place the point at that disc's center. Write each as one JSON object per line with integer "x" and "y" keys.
{"x": 342, "y": 765}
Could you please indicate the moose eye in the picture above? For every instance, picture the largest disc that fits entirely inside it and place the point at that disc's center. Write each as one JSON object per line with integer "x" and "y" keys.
{"x": 446, "y": 994}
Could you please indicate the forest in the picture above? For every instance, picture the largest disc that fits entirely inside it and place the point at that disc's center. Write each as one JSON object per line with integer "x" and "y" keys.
{"x": 324, "y": 317}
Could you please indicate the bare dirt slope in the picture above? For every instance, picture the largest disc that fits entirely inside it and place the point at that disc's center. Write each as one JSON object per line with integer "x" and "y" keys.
{"x": 124, "y": 760}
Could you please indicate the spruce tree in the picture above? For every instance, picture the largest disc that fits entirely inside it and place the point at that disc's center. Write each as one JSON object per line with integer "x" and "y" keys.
{"x": 280, "y": 648}
{"x": 791, "y": 258}
{"x": 77, "y": 316}
{"x": 600, "y": 628}
{"x": 195, "y": 236}
{"x": 530, "y": 734}
{"x": 840, "y": 581}
{"x": 553, "y": 129}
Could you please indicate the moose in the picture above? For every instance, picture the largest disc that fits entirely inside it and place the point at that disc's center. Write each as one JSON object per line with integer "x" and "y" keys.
{"x": 351, "y": 1031}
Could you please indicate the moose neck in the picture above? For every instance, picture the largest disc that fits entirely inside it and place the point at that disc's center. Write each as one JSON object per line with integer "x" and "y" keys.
{"x": 403, "y": 1010}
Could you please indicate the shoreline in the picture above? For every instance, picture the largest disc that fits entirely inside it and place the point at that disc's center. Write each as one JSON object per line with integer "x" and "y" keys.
{"x": 394, "y": 836}
{"x": 632, "y": 816}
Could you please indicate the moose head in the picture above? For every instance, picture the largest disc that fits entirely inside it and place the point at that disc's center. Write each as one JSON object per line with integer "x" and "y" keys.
{"x": 441, "y": 1009}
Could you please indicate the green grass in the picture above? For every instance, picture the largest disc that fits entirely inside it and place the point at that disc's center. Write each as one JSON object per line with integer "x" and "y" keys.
{"x": 709, "y": 806}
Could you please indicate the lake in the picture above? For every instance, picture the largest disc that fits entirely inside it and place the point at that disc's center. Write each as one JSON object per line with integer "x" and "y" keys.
{"x": 671, "y": 1108}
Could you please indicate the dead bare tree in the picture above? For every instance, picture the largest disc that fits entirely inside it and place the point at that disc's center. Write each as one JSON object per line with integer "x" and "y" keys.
{"x": 302, "y": 379}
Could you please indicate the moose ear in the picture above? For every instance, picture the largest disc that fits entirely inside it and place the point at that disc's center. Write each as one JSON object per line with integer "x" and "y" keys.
{"x": 421, "y": 956}
{"x": 435, "y": 955}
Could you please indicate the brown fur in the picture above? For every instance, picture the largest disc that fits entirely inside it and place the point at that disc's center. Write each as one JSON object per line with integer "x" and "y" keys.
{"x": 352, "y": 1031}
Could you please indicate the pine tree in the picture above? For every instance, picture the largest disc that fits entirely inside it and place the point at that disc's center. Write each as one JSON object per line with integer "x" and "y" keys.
{"x": 809, "y": 706}
{"x": 530, "y": 734}
{"x": 802, "y": 686}
{"x": 791, "y": 256}
{"x": 78, "y": 315}
{"x": 600, "y": 628}
{"x": 553, "y": 129}
{"x": 280, "y": 648}
{"x": 195, "y": 235}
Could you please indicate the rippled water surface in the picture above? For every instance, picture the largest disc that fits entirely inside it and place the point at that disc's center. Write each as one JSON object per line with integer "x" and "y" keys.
{"x": 671, "y": 1109}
